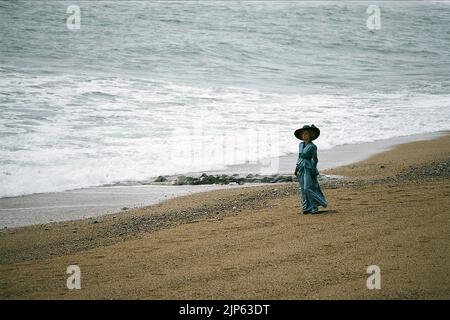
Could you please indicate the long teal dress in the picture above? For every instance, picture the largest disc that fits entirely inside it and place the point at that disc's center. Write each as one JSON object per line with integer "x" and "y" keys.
{"x": 311, "y": 197}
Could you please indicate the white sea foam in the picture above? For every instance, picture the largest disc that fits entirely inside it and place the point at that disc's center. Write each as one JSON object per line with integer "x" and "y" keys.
{"x": 93, "y": 131}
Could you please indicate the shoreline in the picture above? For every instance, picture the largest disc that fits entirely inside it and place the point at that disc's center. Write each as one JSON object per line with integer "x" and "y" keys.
{"x": 252, "y": 243}
{"x": 338, "y": 156}
{"x": 42, "y": 208}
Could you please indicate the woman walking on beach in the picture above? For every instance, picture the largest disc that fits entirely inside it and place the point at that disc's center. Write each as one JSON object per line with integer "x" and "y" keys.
{"x": 311, "y": 197}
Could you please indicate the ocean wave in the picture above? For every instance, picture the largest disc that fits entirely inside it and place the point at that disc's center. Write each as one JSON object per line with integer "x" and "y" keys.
{"x": 80, "y": 137}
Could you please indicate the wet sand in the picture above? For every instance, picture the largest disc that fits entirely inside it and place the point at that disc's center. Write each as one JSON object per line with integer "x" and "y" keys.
{"x": 393, "y": 211}
{"x": 88, "y": 202}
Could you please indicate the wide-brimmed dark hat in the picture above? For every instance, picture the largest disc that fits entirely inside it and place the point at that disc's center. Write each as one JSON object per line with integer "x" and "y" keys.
{"x": 315, "y": 132}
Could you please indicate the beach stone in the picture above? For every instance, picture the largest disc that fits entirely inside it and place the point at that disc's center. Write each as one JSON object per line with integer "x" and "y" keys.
{"x": 161, "y": 179}
{"x": 210, "y": 179}
{"x": 191, "y": 180}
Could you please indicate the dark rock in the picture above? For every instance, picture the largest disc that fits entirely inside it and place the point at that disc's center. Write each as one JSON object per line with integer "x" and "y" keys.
{"x": 161, "y": 179}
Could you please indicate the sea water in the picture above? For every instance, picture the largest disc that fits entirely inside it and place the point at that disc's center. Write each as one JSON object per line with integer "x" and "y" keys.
{"x": 145, "y": 88}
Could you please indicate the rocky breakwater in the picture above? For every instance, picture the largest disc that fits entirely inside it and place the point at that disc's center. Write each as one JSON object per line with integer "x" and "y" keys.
{"x": 225, "y": 179}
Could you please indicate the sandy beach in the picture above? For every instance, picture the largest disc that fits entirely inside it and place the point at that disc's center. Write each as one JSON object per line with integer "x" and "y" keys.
{"x": 392, "y": 210}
